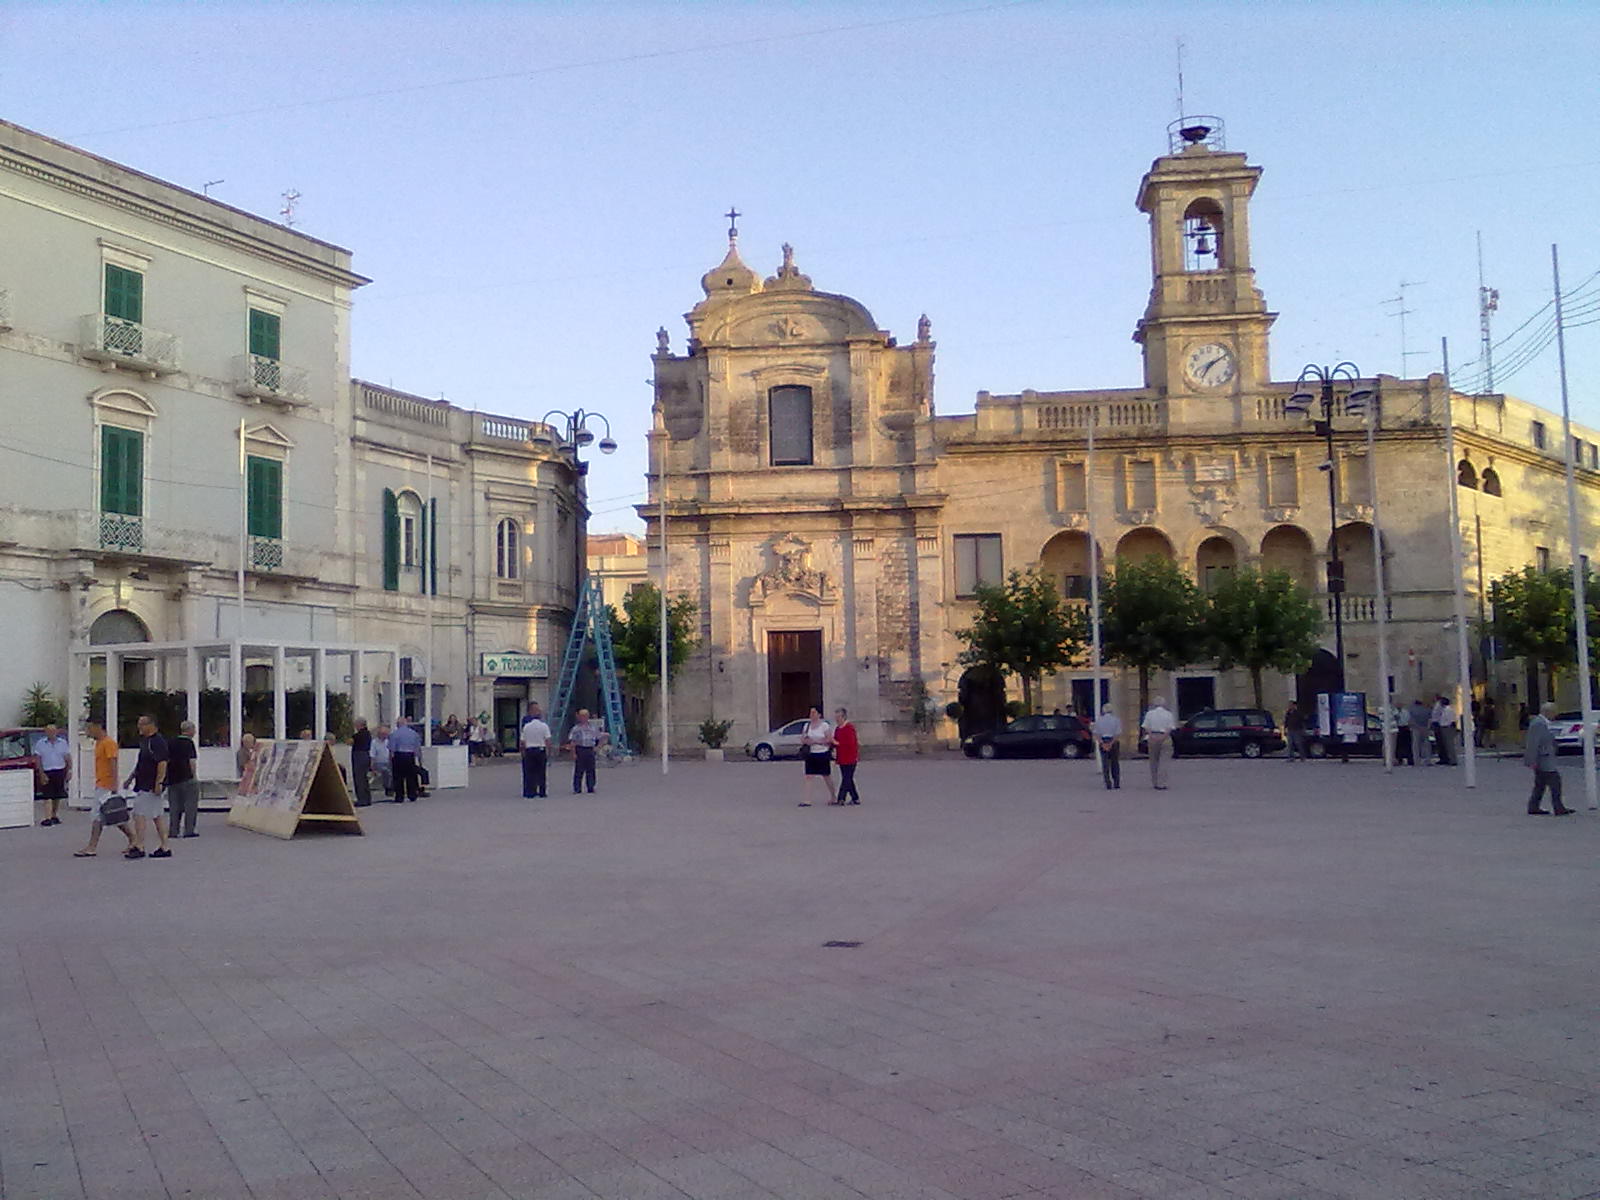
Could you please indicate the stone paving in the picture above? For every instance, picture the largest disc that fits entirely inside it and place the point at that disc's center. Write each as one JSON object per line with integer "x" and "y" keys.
{"x": 1274, "y": 980}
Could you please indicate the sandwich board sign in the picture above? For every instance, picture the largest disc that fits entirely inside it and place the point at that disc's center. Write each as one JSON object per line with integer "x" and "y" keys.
{"x": 291, "y": 786}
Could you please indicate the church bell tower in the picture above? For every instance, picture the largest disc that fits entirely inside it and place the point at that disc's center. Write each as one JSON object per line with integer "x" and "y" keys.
{"x": 1204, "y": 331}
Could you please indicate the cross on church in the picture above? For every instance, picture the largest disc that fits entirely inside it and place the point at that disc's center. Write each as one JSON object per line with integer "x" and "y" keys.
{"x": 733, "y": 216}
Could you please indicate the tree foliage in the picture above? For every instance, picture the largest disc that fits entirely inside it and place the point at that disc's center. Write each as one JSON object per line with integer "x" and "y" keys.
{"x": 1533, "y": 617}
{"x": 1023, "y": 626}
{"x": 1152, "y": 618}
{"x": 636, "y": 635}
{"x": 1262, "y": 620}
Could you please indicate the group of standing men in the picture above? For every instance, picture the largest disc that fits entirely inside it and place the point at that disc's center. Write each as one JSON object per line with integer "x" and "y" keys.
{"x": 584, "y": 740}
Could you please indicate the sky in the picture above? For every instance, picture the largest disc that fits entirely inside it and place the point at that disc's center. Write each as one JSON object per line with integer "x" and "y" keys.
{"x": 535, "y": 188}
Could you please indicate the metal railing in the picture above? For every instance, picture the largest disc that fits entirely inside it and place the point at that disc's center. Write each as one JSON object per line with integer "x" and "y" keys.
{"x": 112, "y": 339}
{"x": 5, "y": 310}
{"x": 266, "y": 553}
{"x": 119, "y": 531}
{"x": 268, "y": 378}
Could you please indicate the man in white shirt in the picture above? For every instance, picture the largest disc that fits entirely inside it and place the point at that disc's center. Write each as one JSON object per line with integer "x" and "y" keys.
{"x": 1108, "y": 732}
{"x": 54, "y": 755}
{"x": 534, "y": 739}
{"x": 1443, "y": 720}
{"x": 1158, "y": 725}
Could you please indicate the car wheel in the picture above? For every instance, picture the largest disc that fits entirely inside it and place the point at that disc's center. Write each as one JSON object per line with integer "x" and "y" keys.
{"x": 763, "y": 753}
{"x": 1251, "y": 750}
{"x": 986, "y": 750}
{"x": 1079, "y": 750}
{"x": 1316, "y": 750}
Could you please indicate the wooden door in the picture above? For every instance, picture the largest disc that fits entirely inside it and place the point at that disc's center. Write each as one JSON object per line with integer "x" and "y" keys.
{"x": 794, "y": 674}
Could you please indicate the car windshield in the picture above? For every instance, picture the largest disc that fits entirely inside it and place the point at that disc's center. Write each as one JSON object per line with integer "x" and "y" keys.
{"x": 14, "y": 745}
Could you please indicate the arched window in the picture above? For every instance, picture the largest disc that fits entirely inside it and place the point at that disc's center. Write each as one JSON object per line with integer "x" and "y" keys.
{"x": 1202, "y": 236}
{"x": 1465, "y": 475}
{"x": 1491, "y": 482}
{"x": 410, "y": 540}
{"x": 507, "y": 548}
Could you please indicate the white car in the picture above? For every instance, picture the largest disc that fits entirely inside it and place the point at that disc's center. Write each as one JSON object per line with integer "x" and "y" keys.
{"x": 1569, "y": 732}
{"x": 782, "y": 742}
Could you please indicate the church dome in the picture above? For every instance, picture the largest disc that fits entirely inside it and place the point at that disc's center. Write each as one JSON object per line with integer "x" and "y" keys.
{"x": 730, "y": 277}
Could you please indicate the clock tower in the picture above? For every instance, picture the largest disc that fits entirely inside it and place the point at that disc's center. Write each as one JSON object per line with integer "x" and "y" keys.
{"x": 1204, "y": 331}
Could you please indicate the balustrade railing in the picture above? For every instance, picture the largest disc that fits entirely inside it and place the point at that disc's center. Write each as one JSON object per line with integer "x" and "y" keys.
{"x": 1105, "y": 414}
{"x": 268, "y": 378}
{"x": 112, "y": 339}
{"x": 1357, "y": 609}
{"x": 409, "y": 407}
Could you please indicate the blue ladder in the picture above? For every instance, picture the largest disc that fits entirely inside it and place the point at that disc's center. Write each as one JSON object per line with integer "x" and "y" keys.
{"x": 591, "y": 621}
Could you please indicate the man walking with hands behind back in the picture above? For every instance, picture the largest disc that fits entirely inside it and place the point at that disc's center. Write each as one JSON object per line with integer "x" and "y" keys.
{"x": 1539, "y": 756}
{"x": 1158, "y": 725}
{"x": 1108, "y": 732}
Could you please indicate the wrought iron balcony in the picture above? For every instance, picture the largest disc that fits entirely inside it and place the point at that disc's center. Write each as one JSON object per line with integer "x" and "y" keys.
{"x": 260, "y": 378}
{"x": 129, "y": 344}
{"x": 266, "y": 553}
{"x": 121, "y": 532}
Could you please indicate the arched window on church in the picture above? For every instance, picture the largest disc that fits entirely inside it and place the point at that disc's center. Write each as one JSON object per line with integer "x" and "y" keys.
{"x": 507, "y": 548}
{"x": 789, "y": 414}
{"x": 1202, "y": 236}
{"x": 1491, "y": 482}
{"x": 1465, "y": 475}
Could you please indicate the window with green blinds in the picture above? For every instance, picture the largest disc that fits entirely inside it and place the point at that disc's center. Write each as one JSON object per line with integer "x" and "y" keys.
{"x": 121, "y": 470}
{"x": 124, "y": 297}
{"x": 266, "y": 333}
{"x": 264, "y": 508}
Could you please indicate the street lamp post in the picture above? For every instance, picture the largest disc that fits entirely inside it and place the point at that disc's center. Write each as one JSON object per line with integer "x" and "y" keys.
{"x": 1356, "y": 400}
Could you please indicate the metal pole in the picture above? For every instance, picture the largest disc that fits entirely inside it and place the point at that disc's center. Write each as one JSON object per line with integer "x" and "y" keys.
{"x": 1580, "y": 581}
{"x": 1094, "y": 579}
{"x": 1463, "y": 657}
{"x": 244, "y": 540}
{"x": 1383, "y": 590}
{"x": 1335, "y": 564}
{"x": 661, "y": 484}
{"x": 428, "y": 555}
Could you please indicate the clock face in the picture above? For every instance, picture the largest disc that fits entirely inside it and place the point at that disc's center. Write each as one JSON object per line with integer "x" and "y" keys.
{"x": 1209, "y": 366}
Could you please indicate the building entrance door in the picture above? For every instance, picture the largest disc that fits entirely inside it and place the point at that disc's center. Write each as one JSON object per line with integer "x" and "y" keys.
{"x": 1083, "y": 697}
{"x": 794, "y": 674}
{"x": 1196, "y": 695}
{"x": 507, "y": 721}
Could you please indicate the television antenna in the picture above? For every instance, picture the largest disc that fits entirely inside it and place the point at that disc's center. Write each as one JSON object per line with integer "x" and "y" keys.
{"x": 291, "y": 198}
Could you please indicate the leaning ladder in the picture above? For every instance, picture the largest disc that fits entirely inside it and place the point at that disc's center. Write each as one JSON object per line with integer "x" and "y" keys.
{"x": 591, "y": 621}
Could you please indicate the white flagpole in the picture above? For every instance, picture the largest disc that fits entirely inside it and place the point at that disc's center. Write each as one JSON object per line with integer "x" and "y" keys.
{"x": 1094, "y": 578}
{"x": 1574, "y": 535}
{"x": 1463, "y": 659}
{"x": 1373, "y": 414}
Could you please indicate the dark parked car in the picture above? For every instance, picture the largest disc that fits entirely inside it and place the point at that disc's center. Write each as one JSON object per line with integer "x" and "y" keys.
{"x": 1368, "y": 745}
{"x": 1248, "y": 731}
{"x": 1033, "y": 737}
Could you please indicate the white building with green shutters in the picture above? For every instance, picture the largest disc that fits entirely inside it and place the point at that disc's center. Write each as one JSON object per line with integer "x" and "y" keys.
{"x": 175, "y": 396}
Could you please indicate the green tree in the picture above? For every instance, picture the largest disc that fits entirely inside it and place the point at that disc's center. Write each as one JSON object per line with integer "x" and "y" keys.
{"x": 1533, "y": 619}
{"x": 636, "y": 639}
{"x": 1152, "y": 617}
{"x": 1262, "y": 620}
{"x": 1023, "y": 626}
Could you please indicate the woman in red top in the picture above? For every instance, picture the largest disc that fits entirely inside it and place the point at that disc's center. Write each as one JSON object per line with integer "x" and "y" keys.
{"x": 847, "y": 751}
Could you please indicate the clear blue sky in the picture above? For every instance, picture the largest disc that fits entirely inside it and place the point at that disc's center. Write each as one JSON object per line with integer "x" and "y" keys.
{"x": 534, "y": 188}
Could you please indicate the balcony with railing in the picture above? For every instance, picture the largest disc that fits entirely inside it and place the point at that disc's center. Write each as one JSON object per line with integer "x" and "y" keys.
{"x": 120, "y": 532}
{"x": 1355, "y": 609}
{"x": 114, "y": 342}
{"x": 266, "y": 553}
{"x": 5, "y": 310}
{"x": 257, "y": 377}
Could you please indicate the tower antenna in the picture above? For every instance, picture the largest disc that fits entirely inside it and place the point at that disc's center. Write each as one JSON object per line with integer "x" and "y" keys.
{"x": 1181, "y": 112}
{"x": 1488, "y": 304}
{"x": 290, "y": 199}
{"x": 1403, "y": 312}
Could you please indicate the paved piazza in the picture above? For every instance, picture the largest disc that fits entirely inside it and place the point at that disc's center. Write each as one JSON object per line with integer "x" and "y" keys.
{"x": 1274, "y": 980}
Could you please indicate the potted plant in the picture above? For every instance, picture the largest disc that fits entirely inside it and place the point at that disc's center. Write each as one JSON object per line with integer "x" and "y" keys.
{"x": 41, "y": 708}
{"x": 714, "y": 733}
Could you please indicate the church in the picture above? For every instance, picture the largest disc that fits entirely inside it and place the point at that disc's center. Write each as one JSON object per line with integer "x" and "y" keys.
{"x": 832, "y": 526}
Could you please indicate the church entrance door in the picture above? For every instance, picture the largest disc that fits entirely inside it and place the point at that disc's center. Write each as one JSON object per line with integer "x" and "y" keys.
{"x": 794, "y": 674}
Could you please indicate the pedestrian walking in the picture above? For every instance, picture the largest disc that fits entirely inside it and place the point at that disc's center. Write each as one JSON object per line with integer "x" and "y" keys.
{"x": 1488, "y": 722}
{"x": 1158, "y": 725}
{"x": 53, "y": 753}
{"x": 1539, "y": 756}
{"x": 1418, "y": 718}
{"x": 847, "y": 749}
{"x": 361, "y": 763}
{"x": 815, "y": 746}
{"x": 534, "y": 738}
{"x": 1443, "y": 720}
{"x": 183, "y": 787}
{"x": 383, "y": 761}
{"x": 582, "y": 739}
{"x": 1294, "y": 730}
{"x": 148, "y": 780}
{"x": 405, "y": 744}
{"x": 105, "y": 791}
{"x": 1108, "y": 732}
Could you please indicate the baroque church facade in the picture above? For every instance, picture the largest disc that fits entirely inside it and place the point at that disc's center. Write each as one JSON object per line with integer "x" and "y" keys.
{"x": 832, "y": 526}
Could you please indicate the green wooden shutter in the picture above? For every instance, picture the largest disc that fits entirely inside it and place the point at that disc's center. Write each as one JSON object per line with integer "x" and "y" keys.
{"x": 424, "y": 544}
{"x": 121, "y": 470}
{"x": 266, "y": 333}
{"x": 265, "y": 507}
{"x": 124, "y": 297}
{"x": 391, "y": 541}
{"x": 433, "y": 546}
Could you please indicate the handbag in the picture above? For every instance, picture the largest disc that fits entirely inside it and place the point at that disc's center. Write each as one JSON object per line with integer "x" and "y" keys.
{"x": 114, "y": 809}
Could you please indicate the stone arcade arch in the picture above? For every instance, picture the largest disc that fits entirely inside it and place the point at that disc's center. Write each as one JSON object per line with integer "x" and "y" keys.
{"x": 1067, "y": 561}
{"x": 1289, "y": 548}
{"x": 1146, "y": 542}
{"x": 1214, "y": 561}
{"x": 1355, "y": 549}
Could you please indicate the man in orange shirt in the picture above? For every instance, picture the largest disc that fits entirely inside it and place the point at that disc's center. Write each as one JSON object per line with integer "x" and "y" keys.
{"x": 105, "y": 783}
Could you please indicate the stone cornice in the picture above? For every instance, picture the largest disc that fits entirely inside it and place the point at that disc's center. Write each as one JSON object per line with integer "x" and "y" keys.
{"x": 20, "y": 162}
